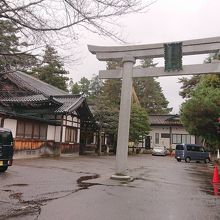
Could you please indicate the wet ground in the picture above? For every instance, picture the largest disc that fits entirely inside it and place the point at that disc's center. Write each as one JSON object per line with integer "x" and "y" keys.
{"x": 80, "y": 188}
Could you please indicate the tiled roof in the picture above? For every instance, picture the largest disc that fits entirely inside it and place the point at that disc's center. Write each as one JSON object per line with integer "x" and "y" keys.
{"x": 37, "y": 92}
{"x": 69, "y": 102}
{"x": 30, "y": 98}
{"x": 164, "y": 120}
{"x": 34, "y": 84}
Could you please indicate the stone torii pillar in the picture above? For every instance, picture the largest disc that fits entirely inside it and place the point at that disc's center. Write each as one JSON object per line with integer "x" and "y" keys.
{"x": 128, "y": 55}
{"x": 124, "y": 115}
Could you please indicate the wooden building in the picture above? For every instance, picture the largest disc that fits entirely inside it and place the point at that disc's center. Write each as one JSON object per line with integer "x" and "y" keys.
{"x": 43, "y": 118}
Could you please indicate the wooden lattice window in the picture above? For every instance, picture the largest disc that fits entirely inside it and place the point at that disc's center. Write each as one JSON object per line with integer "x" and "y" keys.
{"x": 71, "y": 135}
{"x": 31, "y": 130}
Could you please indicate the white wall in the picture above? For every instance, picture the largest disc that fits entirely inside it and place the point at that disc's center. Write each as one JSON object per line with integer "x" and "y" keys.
{"x": 51, "y": 133}
{"x": 63, "y": 134}
{"x": 57, "y": 133}
{"x": 11, "y": 124}
{"x": 78, "y": 135}
{"x": 74, "y": 119}
{"x": 166, "y": 129}
{"x": 77, "y": 120}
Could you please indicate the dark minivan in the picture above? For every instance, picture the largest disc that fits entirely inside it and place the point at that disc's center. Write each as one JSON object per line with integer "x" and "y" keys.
{"x": 6, "y": 149}
{"x": 190, "y": 152}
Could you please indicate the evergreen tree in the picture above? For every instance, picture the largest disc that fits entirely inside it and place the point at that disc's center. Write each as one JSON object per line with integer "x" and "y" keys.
{"x": 51, "y": 70}
{"x": 139, "y": 124}
{"x": 149, "y": 92}
{"x": 11, "y": 56}
{"x": 188, "y": 85}
{"x": 84, "y": 84}
{"x": 107, "y": 109}
{"x": 75, "y": 88}
{"x": 95, "y": 87}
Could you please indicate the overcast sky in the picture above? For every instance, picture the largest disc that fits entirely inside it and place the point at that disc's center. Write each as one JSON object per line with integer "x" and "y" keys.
{"x": 165, "y": 21}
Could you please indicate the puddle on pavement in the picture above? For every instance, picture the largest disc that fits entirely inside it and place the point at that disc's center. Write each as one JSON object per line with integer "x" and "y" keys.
{"x": 18, "y": 184}
{"x": 212, "y": 189}
{"x": 7, "y": 190}
{"x": 204, "y": 176}
{"x": 86, "y": 185}
{"x": 16, "y": 196}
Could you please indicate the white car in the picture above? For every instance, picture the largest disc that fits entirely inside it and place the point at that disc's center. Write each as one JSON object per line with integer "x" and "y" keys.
{"x": 160, "y": 151}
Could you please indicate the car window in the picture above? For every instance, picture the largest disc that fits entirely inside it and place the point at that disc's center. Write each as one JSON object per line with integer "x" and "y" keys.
{"x": 6, "y": 138}
{"x": 179, "y": 147}
{"x": 189, "y": 148}
{"x": 201, "y": 149}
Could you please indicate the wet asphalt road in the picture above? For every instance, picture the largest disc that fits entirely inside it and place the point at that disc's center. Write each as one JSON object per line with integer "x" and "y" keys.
{"x": 79, "y": 188}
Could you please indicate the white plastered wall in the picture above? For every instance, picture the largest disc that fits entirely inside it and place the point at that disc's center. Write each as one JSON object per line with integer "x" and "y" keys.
{"x": 63, "y": 134}
{"x": 57, "y": 133}
{"x": 11, "y": 124}
{"x": 166, "y": 129}
{"x": 51, "y": 133}
{"x": 70, "y": 119}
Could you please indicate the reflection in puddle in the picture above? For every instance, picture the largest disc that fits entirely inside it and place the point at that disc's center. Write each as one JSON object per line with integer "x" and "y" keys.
{"x": 18, "y": 184}
{"x": 216, "y": 189}
{"x": 86, "y": 185}
{"x": 213, "y": 189}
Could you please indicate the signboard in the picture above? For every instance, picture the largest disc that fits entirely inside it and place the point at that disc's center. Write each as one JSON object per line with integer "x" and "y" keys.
{"x": 173, "y": 56}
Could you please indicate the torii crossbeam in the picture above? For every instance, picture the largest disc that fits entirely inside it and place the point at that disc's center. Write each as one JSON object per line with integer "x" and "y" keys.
{"x": 128, "y": 55}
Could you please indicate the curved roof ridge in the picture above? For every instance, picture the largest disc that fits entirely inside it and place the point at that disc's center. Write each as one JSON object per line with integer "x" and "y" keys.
{"x": 77, "y": 103}
{"x": 36, "y": 85}
{"x": 68, "y": 96}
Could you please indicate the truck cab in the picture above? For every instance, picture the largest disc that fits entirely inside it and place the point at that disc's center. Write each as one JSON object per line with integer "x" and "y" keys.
{"x": 6, "y": 149}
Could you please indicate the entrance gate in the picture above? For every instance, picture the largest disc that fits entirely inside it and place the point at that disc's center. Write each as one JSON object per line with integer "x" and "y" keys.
{"x": 172, "y": 52}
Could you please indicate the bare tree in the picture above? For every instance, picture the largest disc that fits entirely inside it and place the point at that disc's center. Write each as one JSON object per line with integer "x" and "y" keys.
{"x": 40, "y": 18}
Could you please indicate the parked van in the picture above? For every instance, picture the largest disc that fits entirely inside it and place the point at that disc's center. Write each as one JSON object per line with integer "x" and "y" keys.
{"x": 6, "y": 149}
{"x": 190, "y": 152}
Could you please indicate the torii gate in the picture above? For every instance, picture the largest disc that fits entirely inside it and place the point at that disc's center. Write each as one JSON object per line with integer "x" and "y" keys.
{"x": 128, "y": 55}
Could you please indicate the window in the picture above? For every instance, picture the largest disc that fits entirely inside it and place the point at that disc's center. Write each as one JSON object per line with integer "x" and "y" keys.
{"x": 181, "y": 138}
{"x": 195, "y": 148}
{"x": 186, "y": 138}
{"x": 20, "y": 129}
{"x": 31, "y": 130}
{"x": 71, "y": 134}
{"x": 28, "y": 130}
{"x": 165, "y": 135}
{"x": 190, "y": 148}
{"x": 156, "y": 138}
{"x": 5, "y": 137}
{"x": 36, "y": 131}
{"x": 179, "y": 147}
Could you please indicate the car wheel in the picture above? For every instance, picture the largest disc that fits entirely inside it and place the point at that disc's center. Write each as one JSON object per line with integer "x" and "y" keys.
{"x": 178, "y": 159}
{"x": 207, "y": 160}
{"x": 188, "y": 159}
{"x": 3, "y": 169}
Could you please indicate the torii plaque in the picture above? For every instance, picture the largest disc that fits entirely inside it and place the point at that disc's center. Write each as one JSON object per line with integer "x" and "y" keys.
{"x": 128, "y": 56}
